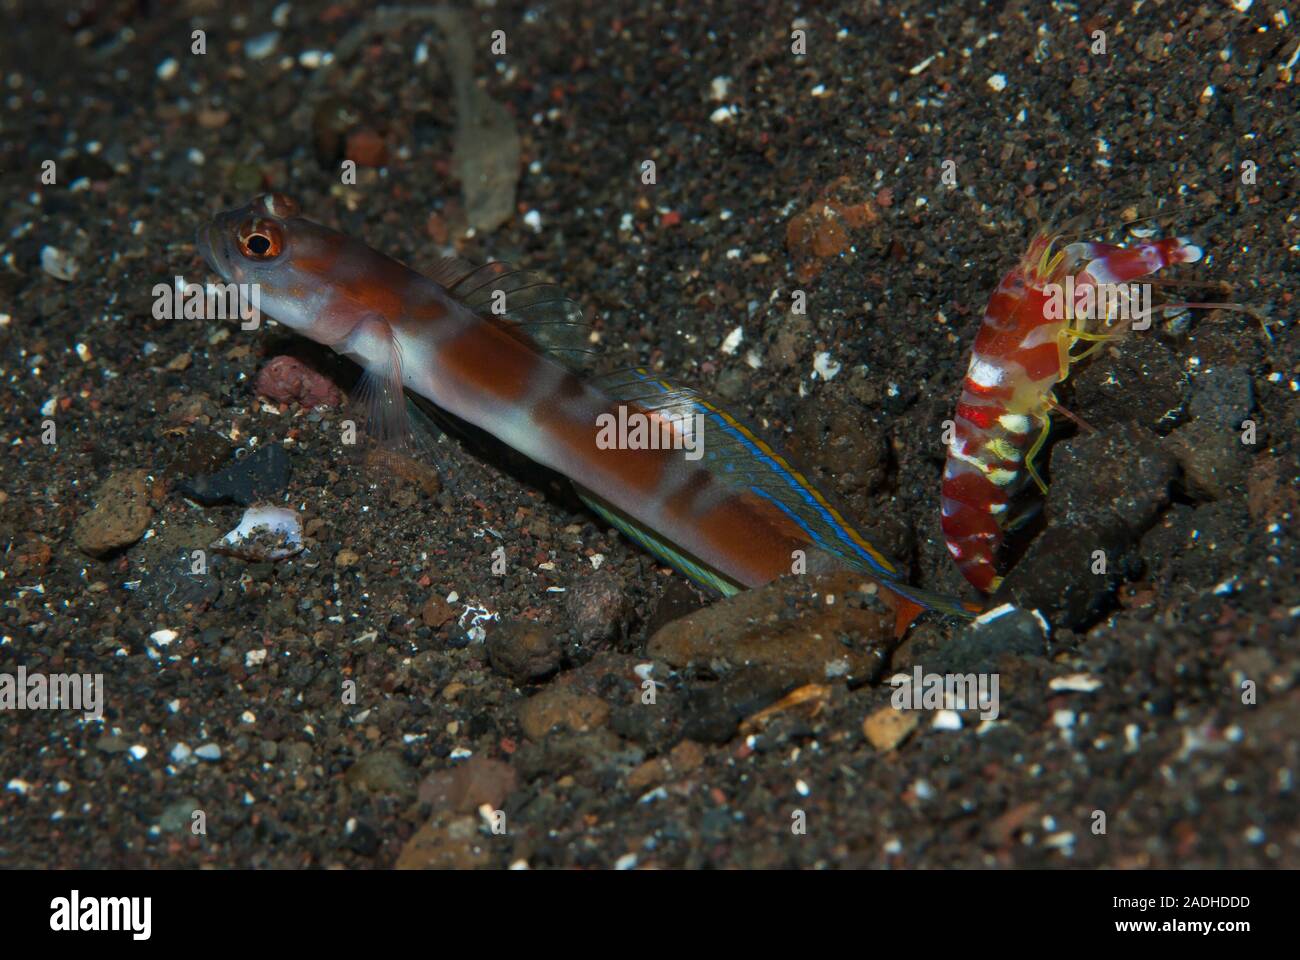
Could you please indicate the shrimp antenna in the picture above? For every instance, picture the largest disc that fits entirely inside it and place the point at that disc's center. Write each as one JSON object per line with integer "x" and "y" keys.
{"x": 1077, "y": 234}
{"x": 1221, "y": 285}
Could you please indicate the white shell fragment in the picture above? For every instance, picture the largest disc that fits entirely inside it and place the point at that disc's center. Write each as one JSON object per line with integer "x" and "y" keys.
{"x": 824, "y": 366}
{"x": 264, "y": 533}
{"x": 59, "y": 265}
{"x": 997, "y": 613}
{"x": 1075, "y": 682}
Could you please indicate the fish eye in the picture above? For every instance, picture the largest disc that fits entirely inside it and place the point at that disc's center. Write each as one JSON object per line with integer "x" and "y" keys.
{"x": 260, "y": 239}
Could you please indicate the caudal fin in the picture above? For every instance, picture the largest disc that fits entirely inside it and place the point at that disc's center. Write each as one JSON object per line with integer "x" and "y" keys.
{"x": 910, "y": 602}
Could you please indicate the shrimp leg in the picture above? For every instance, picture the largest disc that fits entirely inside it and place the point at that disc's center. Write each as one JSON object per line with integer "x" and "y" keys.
{"x": 1033, "y": 452}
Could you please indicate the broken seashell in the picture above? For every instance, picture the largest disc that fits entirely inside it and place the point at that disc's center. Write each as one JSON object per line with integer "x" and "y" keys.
{"x": 264, "y": 533}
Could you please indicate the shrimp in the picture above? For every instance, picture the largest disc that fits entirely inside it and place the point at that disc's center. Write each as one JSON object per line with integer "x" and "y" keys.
{"x": 1023, "y": 350}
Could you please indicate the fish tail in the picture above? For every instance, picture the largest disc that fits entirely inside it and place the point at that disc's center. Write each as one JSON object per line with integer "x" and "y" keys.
{"x": 910, "y": 602}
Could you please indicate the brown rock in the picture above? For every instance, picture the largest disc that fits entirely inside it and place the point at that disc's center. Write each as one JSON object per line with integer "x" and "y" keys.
{"x": 210, "y": 119}
{"x": 1270, "y": 496}
{"x": 383, "y": 771}
{"x": 1001, "y": 831}
{"x": 202, "y": 452}
{"x": 598, "y": 604}
{"x": 814, "y": 627}
{"x": 120, "y": 516}
{"x": 561, "y": 706}
{"x": 1213, "y": 459}
{"x": 523, "y": 651}
{"x": 648, "y": 774}
{"x": 888, "y": 727}
{"x": 685, "y": 757}
{"x": 366, "y": 148}
{"x": 808, "y": 700}
{"x": 449, "y": 846}
{"x": 436, "y": 611}
{"x": 822, "y": 230}
{"x": 466, "y": 786}
{"x": 33, "y": 556}
{"x": 832, "y": 436}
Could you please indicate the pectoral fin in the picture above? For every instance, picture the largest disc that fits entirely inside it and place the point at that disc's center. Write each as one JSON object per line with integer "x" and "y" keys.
{"x": 381, "y": 402}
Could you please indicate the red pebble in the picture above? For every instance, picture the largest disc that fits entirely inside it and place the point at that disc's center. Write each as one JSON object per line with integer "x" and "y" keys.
{"x": 367, "y": 148}
{"x": 287, "y": 379}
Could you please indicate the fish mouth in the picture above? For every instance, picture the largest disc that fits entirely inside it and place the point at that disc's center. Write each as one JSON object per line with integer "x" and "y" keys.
{"x": 205, "y": 240}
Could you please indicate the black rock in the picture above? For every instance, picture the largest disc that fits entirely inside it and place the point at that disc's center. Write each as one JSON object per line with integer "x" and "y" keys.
{"x": 1108, "y": 489}
{"x": 363, "y": 839}
{"x": 258, "y": 477}
{"x": 714, "y": 711}
{"x": 1144, "y": 383}
{"x": 979, "y": 647}
{"x": 1223, "y": 396}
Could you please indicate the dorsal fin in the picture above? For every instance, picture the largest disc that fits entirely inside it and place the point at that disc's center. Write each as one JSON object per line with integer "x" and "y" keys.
{"x": 525, "y": 302}
{"x": 735, "y": 454}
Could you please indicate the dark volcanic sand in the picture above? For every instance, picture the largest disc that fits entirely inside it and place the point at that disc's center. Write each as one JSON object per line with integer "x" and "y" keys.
{"x": 241, "y": 714}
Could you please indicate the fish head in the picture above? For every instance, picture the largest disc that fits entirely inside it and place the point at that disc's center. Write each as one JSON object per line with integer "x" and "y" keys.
{"x": 261, "y": 246}
{"x": 248, "y": 243}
